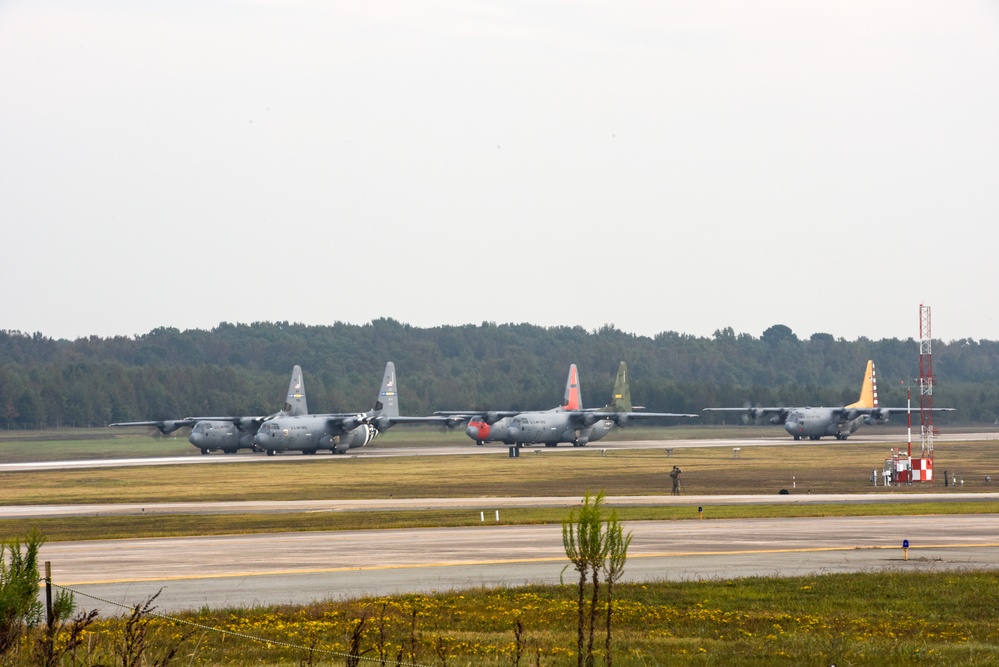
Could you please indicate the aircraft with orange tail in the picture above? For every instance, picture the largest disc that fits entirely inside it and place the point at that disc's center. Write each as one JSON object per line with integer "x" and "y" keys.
{"x": 840, "y": 422}
{"x": 569, "y": 422}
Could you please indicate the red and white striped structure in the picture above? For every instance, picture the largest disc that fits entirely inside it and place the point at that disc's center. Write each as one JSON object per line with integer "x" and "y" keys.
{"x": 926, "y": 431}
{"x": 904, "y": 469}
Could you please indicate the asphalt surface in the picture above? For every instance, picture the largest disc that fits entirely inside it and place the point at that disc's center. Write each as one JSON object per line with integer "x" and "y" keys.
{"x": 302, "y": 567}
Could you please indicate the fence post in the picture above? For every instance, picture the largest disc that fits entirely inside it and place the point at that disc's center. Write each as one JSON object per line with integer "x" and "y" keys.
{"x": 48, "y": 595}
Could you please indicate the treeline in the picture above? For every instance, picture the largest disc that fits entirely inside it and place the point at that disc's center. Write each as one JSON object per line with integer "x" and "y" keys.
{"x": 244, "y": 369}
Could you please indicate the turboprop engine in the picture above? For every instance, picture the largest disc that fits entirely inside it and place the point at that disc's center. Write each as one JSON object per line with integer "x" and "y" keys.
{"x": 350, "y": 423}
{"x": 876, "y": 417}
{"x": 490, "y": 417}
{"x": 171, "y": 425}
{"x": 381, "y": 423}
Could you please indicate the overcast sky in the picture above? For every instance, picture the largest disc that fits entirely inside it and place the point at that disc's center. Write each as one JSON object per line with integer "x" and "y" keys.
{"x": 652, "y": 164}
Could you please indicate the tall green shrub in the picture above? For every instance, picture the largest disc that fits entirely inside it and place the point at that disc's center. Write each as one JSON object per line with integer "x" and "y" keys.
{"x": 20, "y": 608}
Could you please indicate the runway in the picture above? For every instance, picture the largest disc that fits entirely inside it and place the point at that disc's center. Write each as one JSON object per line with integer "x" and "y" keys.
{"x": 298, "y": 568}
{"x": 476, "y": 505}
{"x": 377, "y": 450}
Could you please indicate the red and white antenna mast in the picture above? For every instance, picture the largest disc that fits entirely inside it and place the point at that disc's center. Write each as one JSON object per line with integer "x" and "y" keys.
{"x": 927, "y": 431}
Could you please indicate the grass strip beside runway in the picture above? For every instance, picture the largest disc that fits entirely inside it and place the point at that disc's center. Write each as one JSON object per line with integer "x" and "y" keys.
{"x": 838, "y": 468}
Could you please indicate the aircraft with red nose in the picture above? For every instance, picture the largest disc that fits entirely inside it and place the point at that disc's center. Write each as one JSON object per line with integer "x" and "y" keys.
{"x": 570, "y": 422}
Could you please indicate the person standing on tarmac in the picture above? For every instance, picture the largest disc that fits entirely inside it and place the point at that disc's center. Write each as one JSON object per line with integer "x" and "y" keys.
{"x": 675, "y": 476}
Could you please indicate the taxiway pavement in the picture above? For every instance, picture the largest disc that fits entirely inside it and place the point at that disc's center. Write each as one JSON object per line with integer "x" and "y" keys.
{"x": 298, "y": 568}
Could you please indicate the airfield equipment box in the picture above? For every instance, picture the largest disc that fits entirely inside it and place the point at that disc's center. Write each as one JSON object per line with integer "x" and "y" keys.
{"x": 905, "y": 470}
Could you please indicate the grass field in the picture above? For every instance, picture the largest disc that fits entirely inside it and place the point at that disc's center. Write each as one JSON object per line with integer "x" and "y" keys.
{"x": 836, "y": 468}
{"x": 881, "y": 618}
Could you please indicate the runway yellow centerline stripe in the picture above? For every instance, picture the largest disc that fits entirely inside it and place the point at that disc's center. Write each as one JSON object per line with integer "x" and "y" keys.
{"x": 510, "y": 561}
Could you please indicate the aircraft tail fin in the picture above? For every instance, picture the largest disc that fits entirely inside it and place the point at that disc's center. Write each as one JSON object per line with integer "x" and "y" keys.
{"x": 869, "y": 390}
{"x": 573, "y": 399}
{"x": 621, "y": 398}
{"x": 387, "y": 404}
{"x": 295, "y": 404}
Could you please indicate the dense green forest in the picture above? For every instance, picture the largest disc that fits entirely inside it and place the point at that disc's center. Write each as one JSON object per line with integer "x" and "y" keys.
{"x": 244, "y": 369}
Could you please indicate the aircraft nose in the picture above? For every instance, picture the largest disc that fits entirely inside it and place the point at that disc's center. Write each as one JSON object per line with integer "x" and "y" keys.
{"x": 472, "y": 431}
{"x": 262, "y": 438}
{"x": 513, "y": 433}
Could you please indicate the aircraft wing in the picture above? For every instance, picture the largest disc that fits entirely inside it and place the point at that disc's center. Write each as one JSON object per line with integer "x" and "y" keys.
{"x": 165, "y": 426}
{"x": 488, "y": 416}
{"x": 588, "y": 418}
{"x": 851, "y": 413}
{"x": 752, "y": 412}
{"x": 915, "y": 409}
{"x": 178, "y": 423}
{"x": 777, "y": 415}
{"x": 479, "y": 413}
{"x": 351, "y": 420}
{"x": 385, "y": 422}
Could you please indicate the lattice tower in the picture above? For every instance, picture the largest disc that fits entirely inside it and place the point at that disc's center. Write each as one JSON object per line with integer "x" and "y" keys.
{"x": 927, "y": 431}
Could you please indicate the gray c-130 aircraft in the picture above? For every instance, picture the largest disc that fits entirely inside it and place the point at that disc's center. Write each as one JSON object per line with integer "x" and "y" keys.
{"x": 841, "y": 422}
{"x": 339, "y": 431}
{"x": 230, "y": 434}
{"x": 569, "y": 422}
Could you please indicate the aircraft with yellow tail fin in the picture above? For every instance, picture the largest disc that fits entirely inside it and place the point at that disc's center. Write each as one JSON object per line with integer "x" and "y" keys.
{"x": 841, "y": 422}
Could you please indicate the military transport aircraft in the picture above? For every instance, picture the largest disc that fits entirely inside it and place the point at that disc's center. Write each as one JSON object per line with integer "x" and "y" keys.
{"x": 841, "y": 422}
{"x": 569, "y": 422}
{"x": 230, "y": 434}
{"x": 339, "y": 432}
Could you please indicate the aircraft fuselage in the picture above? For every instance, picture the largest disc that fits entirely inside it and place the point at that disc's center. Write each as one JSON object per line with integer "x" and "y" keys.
{"x": 537, "y": 428}
{"x": 210, "y": 435}
{"x": 310, "y": 434}
{"x": 814, "y": 423}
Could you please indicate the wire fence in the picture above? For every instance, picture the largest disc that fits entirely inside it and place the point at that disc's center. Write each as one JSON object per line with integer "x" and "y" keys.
{"x": 240, "y": 635}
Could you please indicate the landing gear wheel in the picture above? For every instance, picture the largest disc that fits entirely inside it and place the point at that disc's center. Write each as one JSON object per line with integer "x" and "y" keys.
{"x": 270, "y": 452}
{"x": 205, "y": 451}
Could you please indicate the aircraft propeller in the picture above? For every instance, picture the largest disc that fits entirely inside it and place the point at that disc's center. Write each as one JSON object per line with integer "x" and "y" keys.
{"x": 752, "y": 414}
